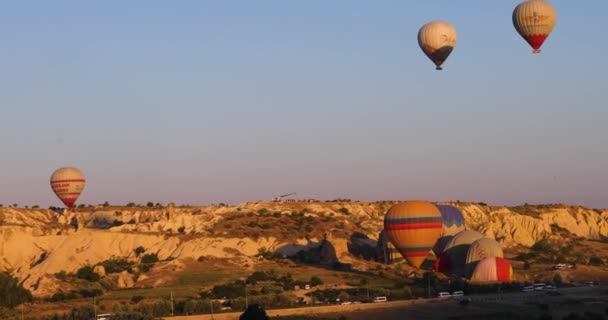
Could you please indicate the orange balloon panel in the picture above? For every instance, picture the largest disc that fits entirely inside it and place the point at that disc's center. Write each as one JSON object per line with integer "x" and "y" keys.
{"x": 67, "y": 183}
{"x": 534, "y": 20}
{"x": 413, "y": 227}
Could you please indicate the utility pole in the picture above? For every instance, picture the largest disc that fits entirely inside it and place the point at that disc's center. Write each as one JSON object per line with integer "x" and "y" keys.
{"x": 246, "y": 303}
{"x": 172, "y": 303}
{"x": 211, "y": 308}
{"x": 428, "y": 277}
{"x": 95, "y": 307}
{"x": 367, "y": 286}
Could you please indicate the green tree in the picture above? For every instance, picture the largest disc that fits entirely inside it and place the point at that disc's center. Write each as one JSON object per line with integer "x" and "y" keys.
{"x": 12, "y": 293}
{"x": 557, "y": 279}
{"x": 149, "y": 258}
{"x": 315, "y": 281}
{"x": 139, "y": 250}
{"x": 150, "y": 204}
{"x": 87, "y": 273}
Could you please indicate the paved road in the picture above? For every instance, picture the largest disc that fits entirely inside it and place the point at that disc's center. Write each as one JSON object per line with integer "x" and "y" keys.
{"x": 422, "y": 309}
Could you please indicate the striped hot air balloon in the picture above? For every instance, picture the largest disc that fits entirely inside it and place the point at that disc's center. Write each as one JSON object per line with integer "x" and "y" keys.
{"x": 386, "y": 250}
{"x": 413, "y": 227}
{"x": 67, "y": 183}
{"x": 437, "y": 39}
{"x": 534, "y": 20}
{"x": 453, "y": 257}
{"x": 479, "y": 250}
{"x": 453, "y": 222}
{"x": 493, "y": 269}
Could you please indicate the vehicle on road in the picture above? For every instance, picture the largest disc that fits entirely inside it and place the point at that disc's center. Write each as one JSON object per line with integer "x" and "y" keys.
{"x": 380, "y": 299}
{"x": 528, "y": 289}
{"x": 444, "y": 294}
{"x": 457, "y": 294}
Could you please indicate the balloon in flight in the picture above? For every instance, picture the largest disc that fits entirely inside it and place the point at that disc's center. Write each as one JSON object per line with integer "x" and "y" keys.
{"x": 437, "y": 39}
{"x": 413, "y": 227}
{"x": 67, "y": 183}
{"x": 534, "y": 20}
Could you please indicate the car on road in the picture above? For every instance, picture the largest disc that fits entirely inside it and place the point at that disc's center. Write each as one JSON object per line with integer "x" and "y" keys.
{"x": 345, "y": 303}
{"x": 444, "y": 294}
{"x": 457, "y": 294}
{"x": 380, "y": 299}
{"x": 528, "y": 289}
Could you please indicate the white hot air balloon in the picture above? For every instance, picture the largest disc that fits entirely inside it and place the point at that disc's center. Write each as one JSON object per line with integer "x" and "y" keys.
{"x": 437, "y": 39}
{"x": 534, "y": 20}
{"x": 67, "y": 183}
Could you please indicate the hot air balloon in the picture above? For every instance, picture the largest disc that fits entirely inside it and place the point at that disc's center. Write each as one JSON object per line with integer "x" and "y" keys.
{"x": 454, "y": 256}
{"x": 534, "y": 20}
{"x": 493, "y": 269}
{"x": 437, "y": 39}
{"x": 453, "y": 222}
{"x": 67, "y": 183}
{"x": 479, "y": 250}
{"x": 386, "y": 250}
{"x": 413, "y": 227}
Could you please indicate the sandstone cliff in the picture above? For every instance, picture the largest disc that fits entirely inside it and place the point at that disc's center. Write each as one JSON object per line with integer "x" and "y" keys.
{"x": 36, "y": 244}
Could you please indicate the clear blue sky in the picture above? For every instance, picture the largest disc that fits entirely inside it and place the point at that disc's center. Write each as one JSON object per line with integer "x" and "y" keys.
{"x": 227, "y": 101}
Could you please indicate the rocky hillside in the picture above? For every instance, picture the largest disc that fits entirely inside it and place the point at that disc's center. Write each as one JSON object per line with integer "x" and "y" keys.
{"x": 37, "y": 244}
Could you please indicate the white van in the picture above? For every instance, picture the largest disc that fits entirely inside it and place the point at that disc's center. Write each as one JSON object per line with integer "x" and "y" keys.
{"x": 444, "y": 295}
{"x": 458, "y": 294}
{"x": 380, "y": 299}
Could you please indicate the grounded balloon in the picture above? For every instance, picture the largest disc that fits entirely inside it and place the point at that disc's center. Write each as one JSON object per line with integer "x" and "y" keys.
{"x": 413, "y": 227}
{"x": 67, "y": 183}
{"x": 437, "y": 39}
{"x": 453, "y": 220}
{"x": 440, "y": 245}
{"x": 479, "y": 250}
{"x": 493, "y": 269}
{"x": 454, "y": 256}
{"x": 387, "y": 251}
{"x": 534, "y": 20}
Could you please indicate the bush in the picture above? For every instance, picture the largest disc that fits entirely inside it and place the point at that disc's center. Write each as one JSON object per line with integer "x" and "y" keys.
{"x": 61, "y": 275}
{"x": 12, "y": 293}
{"x": 149, "y": 258}
{"x": 116, "y": 265}
{"x": 181, "y": 229}
{"x": 263, "y": 211}
{"x": 149, "y": 204}
{"x": 344, "y": 211}
{"x": 315, "y": 281}
{"x": 557, "y": 279}
{"x": 139, "y": 250}
{"x": 595, "y": 261}
{"x": 136, "y": 299}
{"x": 87, "y": 273}
{"x": 131, "y": 204}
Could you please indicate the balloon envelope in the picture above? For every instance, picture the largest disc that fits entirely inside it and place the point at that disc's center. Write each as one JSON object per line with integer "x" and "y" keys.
{"x": 413, "y": 227}
{"x": 453, "y": 220}
{"x": 479, "y": 250}
{"x": 493, "y": 269}
{"x": 387, "y": 251}
{"x": 534, "y": 20}
{"x": 437, "y": 39}
{"x": 454, "y": 256}
{"x": 67, "y": 183}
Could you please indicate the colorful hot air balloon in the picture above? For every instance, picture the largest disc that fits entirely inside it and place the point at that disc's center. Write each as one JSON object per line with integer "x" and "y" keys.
{"x": 454, "y": 256}
{"x": 437, "y": 39}
{"x": 67, "y": 183}
{"x": 534, "y": 20}
{"x": 413, "y": 227}
{"x": 493, "y": 269}
{"x": 386, "y": 250}
{"x": 479, "y": 250}
{"x": 453, "y": 222}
